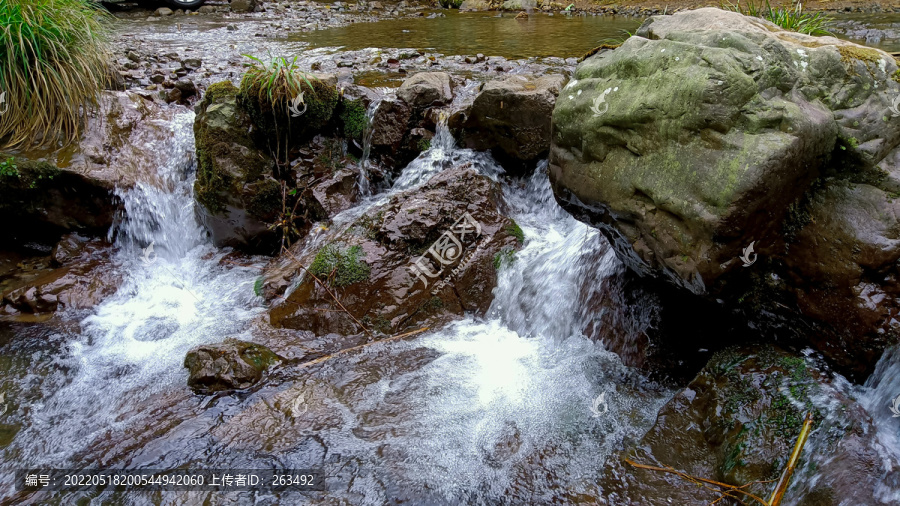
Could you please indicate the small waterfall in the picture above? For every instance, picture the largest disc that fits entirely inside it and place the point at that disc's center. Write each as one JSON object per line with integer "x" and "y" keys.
{"x": 880, "y": 396}
{"x": 520, "y": 383}
{"x": 173, "y": 295}
{"x": 369, "y": 131}
{"x": 442, "y": 154}
{"x": 465, "y": 414}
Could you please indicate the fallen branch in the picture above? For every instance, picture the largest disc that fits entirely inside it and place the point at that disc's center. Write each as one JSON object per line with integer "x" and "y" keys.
{"x": 285, "y": 250}
{"x": 725, "y": 490}
{"x": 785, "y": 480}
{"x": 355, "y": 348}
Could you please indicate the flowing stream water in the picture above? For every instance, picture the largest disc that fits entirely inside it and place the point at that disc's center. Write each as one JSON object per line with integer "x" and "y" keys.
{"x": 486, "y": 410}
{"x": 481, "y": 410}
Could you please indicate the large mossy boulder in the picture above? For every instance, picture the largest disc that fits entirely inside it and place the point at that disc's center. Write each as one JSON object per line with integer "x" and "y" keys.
{"x": 737, "y": 423}
{"x": 429, "y": 254}
{"x": 230, "y": 365}
{"x": 237, "y": 195}
{"x": 709, "y": 131}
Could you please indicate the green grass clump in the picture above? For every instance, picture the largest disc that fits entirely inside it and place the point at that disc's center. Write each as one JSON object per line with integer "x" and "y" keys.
{"x": 451, "y": 4}
{"x": 793, "y": 19}
{"x": 266, "y": 93}
{"x": 516, "y": 231}
{"x": 54, "y": 61}
{"x": 341, "y": 265}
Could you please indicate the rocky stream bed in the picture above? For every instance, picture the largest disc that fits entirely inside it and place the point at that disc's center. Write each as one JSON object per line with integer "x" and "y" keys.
{"x": 456, "y": 278}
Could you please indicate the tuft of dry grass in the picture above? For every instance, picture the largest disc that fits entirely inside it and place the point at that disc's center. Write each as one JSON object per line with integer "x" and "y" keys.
{"x": 54, "y": 61}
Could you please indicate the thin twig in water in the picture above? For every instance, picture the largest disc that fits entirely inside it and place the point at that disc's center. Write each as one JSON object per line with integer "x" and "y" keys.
{"x": 726, "y": 489}
{"x": 355, "y": 348}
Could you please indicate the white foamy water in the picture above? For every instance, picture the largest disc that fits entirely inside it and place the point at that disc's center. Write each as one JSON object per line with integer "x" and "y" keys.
{"x": 132, "y": 347}
{"x": 507, "y": 403}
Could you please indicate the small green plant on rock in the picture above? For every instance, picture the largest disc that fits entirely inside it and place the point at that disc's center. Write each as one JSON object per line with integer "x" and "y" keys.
{"x": 516, "y": 231}
{"x": 340, "y": 265}
{"x": 8, "y": 168}
{"x": 793, "y": 19}
{"x": 285, "y": 103}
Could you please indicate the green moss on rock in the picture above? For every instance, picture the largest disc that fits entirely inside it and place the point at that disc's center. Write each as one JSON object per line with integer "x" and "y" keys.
{"x": 227, "y": 158}
{"x": 516, "y": 231}
{"x": 344, "y": 263}
{"x": 353, "y": 118}
{"x": 272, "y": 118}
{"x": 266, "y": 202}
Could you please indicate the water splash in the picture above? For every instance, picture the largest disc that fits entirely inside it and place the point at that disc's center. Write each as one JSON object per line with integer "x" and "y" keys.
{"x": 466, "y": 414}
{"x": 130, "y": 350}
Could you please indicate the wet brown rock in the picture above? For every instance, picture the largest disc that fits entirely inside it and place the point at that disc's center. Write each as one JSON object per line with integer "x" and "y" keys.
{"x": 426, "y": 89}
{"x": 390, "y": 124}
{"x": 338, "y": 192}
{"x": 84, "y": 280}
{"x": 367, "y": 264}
{"x": 511, "y": 117}
{"x": 58, "y": 191}
{"x": 230, "y": 365}
{"x": 737, "y": 423}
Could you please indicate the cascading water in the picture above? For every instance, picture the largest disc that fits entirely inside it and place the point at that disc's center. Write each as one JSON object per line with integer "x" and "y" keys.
{"x": 880, "y": 396}
{"x": 117, "y": 375}
{"x": 365, "y": 189}
{"x": 476, "y": 412}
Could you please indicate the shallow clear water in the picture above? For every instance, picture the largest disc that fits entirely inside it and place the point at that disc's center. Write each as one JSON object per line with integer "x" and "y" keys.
{"x": 469, "y": 33}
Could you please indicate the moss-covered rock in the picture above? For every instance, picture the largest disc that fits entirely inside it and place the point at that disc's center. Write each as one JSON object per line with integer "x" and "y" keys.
{"x": 709, "y": 131}
{"x": 737, "y": 423}
{"x": 234, "y": 186}
{"x": 230, "y": 365}
{"x": 353, "y": 118}
{"x": 276, "y": 127}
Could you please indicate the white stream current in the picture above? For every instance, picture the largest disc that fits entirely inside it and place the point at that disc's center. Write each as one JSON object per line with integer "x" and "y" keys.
{"x": 492, "y": 410}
